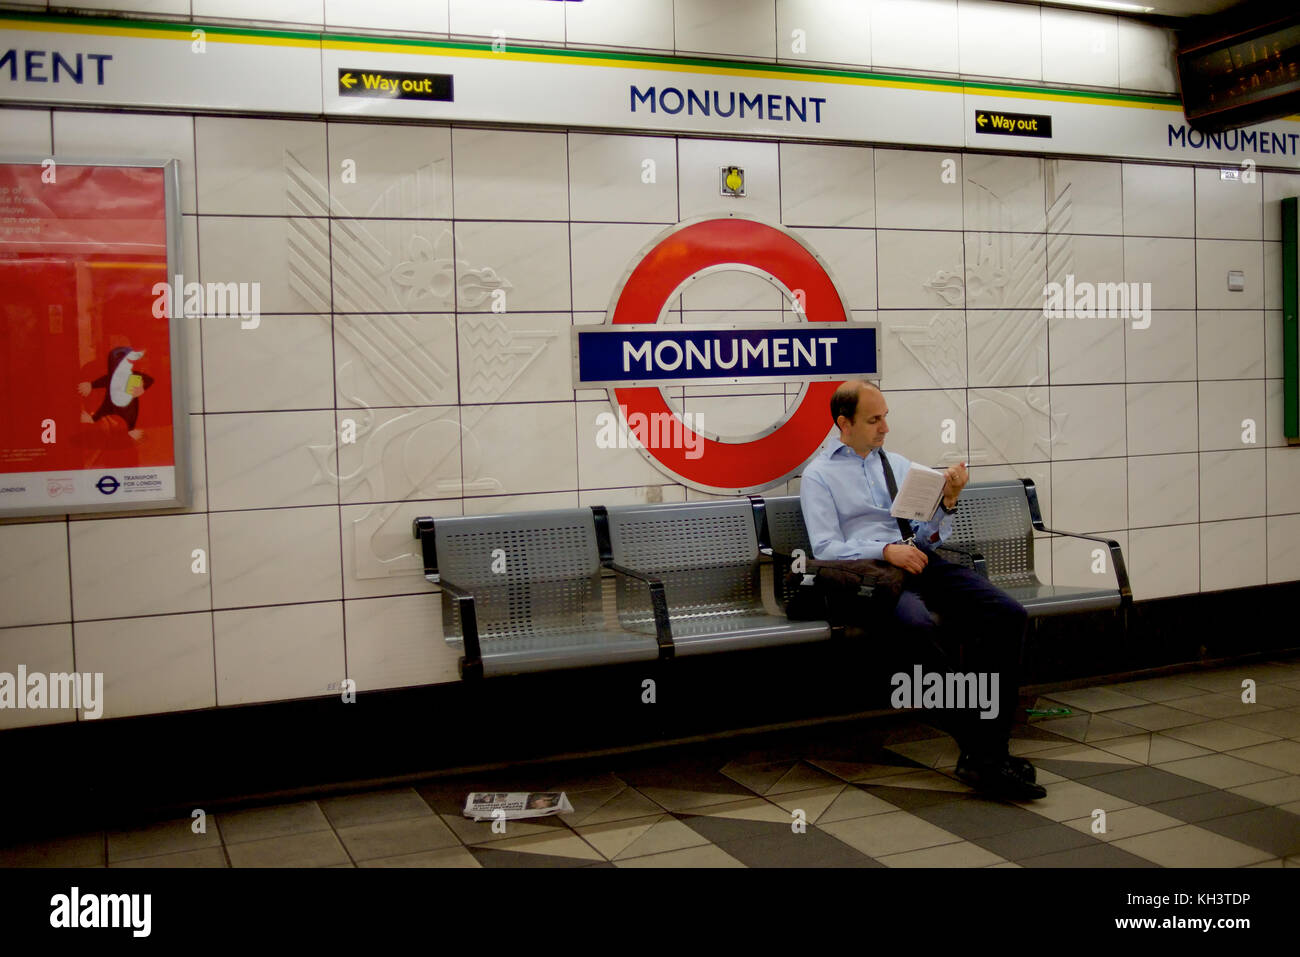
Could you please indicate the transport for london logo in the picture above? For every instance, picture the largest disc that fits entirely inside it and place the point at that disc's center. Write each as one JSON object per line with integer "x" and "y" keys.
{"x": 635, "y": 354}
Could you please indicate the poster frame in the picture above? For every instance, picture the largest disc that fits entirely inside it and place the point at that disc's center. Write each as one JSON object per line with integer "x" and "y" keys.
{"x": 181, "y": 458}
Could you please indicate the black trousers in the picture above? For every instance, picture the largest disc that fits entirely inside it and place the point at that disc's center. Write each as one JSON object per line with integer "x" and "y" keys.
{"x": 981, "y": 629}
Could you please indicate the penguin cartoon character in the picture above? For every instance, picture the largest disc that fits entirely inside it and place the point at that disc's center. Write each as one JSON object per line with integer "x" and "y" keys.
{"x": 123, "y": 386}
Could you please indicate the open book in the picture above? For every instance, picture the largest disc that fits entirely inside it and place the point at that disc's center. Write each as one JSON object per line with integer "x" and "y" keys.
{"x": 919, "y": 497}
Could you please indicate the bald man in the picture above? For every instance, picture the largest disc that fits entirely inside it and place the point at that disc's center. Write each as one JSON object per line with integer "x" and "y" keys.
{"x": 846, "y": 500}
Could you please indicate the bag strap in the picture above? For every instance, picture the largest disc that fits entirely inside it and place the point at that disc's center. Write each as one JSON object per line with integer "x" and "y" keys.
{"x": 904, "y": 526}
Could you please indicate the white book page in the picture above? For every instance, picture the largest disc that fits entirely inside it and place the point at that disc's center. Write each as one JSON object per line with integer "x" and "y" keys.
{"x": 920, "y": 494}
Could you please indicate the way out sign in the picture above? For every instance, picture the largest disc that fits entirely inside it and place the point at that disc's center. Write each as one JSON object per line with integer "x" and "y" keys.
{"x": 634, "y": 355}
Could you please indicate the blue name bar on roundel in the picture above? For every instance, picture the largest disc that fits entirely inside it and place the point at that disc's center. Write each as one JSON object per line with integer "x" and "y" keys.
{"x": 639, "y": 355}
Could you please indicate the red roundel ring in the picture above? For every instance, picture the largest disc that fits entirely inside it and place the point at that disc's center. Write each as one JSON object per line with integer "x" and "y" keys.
{"x": 685, "y": 251}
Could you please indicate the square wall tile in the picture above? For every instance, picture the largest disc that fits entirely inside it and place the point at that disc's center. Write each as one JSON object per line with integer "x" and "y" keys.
{"x": 523, "y": 358}
{"x": 1007, "y": 347}
{"x": 389, "y": 172}
{"x": 273, "y": 654}
{"x": 1158, "y": 200}
{"x": 271, "y": 459}
{"x": 507, "y": 174}
{"x": 918, "y": 190}
{"x": 850, "y": 258}
{"x": 730, "y": 28}
{"x": 1230, "y": 344}
{"x": 1146, "y": 57}
{"x": 1161, "y": 417}
{"x": 284, "y": 362}
{"x": 999, "y": 39}
{"x": 923, "y": 349}
{"x": 512, "y": 267}
{"x": 1003, "y": 193}
{"x": 1088, "y": 420}
{"x": 397, "y": 643}
{"x": 1228, "y": 208}
{"x": 27, "y": 132}
{"x": 896, "y": 43}
{"x": 284, "y": 11}
{"x": 1165, "y": 351}
{"x": 268, "y": 557}
{"x": 602, "y": 256}
{"x": 1005, "y": 270}
{"x": 541, "y": 455}
{"x": 622, "y": 178}
{"x": 1080, "y": 48}
{"x": 827, "y": 185}
{"x": 1232, "y": 484}
{"x": 395, "y": 360}
{"x": 1233, "y": 554}
{"x": 131, "y": 136}
{"x": 516, "y": 19}
{"x": 919, "y": 270}
{"x": 699, "y": 178}
{"x": 380, "y": 557}
{"x": 620, "y": 23}
{"x": 1225, "y": 408}
{"x": 138, "y": 566}
{"x": 1164, "y": 561}
{"x": 1283, "y": 476}
{"x": 626, "y": 464}
{"x": 1090, "y": 494}
{"x": 1283, "y": 548}
{"x": 1163, "y": 490}
{"x": 283, "y": 258}
{"x": 1214, "y": 260}
{"x": 1010, "y": 425}
{"x": 1165, "y": 270}
{"x": 401, "y": 16}
{"x": 34, "y": 575}
{"x": 829, "y": 32}
{"x": 1086, "y": 350}
{"x": 400, "y": 454}
{"x": 150, "y": 665}
{"x": 1084, "y": 196}
{"x": 44, "y": 649}
{"x": 261, "y": 167}
{"x": 399, "y": 266}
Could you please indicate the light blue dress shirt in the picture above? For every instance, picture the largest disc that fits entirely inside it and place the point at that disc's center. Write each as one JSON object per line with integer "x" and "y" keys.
{"x": 846, "y": 505}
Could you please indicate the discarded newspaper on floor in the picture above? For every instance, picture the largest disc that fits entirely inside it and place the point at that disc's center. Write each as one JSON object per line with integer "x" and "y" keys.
{"x": 484, "y": 805}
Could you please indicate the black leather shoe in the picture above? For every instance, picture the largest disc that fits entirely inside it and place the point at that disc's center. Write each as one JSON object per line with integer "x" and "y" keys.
{"x": 998, "y": 777}
{"x": 1023, "y": 768}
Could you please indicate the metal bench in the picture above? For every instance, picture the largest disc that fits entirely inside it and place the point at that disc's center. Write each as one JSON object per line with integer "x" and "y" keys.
{"x": 993, "y": 533}
{"x": 542, "y": 607}
{"x": 707, "y": 556}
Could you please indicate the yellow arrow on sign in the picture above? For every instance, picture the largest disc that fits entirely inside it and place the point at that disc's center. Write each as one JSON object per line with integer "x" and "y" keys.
{"x": 979, "y": 121}
{"x": 348, "y": 81}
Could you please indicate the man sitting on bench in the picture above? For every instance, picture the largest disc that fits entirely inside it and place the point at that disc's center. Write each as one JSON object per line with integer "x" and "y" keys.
{"x": 846, "y": 495}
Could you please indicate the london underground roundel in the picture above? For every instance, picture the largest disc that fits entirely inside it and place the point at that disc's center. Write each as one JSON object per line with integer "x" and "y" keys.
{"x": 635, "y": 355}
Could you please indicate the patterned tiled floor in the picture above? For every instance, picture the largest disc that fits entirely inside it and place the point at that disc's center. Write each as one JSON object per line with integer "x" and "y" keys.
{"x": 1172, "y": 772}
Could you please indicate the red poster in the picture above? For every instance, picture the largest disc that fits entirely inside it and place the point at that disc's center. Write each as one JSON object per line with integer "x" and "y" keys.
{"x": 87, "y": 381}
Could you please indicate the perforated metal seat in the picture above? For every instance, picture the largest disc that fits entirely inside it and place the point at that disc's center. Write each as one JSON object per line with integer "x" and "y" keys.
{"x": 522, "y": 592}
{"x": 996, "y": 520}
{"x": 706, "y": 554}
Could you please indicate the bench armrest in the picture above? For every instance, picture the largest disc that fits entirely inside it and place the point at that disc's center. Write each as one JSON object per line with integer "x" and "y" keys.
{"x": 658, "y": 602}
{"x": 976, "y": 557}
{"x": 471, "y": 663}
{"x": 1116, "y": 556}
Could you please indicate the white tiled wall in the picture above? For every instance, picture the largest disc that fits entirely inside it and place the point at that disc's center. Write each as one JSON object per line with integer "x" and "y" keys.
{"x": 984, "y": 39}
{"x": 428, "y": 306}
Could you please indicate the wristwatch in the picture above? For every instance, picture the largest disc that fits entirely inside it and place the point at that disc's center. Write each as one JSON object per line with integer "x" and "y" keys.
{"x": 947, "y": 510}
